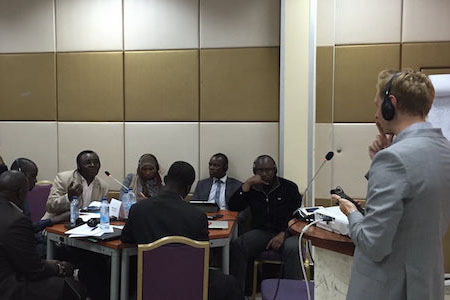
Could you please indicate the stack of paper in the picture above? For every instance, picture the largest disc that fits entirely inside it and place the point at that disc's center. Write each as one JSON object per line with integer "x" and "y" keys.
{"x": 85, "y": 231}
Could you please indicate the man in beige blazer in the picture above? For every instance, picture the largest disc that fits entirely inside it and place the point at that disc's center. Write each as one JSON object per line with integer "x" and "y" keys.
{"x": 82, "y": 182}
{"x": 399, "y": 253}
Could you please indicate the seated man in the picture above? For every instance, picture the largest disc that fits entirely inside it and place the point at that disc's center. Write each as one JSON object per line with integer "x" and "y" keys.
{"x": 218, "y": 187}
{"x": 272, "y": 201}
{"x": 167, "y": 215}
{"x": 82, "y": 182}
{"x": 23, "y": 275}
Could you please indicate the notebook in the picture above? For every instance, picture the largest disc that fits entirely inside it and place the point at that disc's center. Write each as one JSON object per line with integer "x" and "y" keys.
{"x": 109, "y": 236}
{"x": 205, "y": 206}
{"x": 217, "y": 224}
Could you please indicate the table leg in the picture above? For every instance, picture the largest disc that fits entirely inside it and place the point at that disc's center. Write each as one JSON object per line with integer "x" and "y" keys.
{"x": 50, "y": 249}
{"x": 125, "y": 268}
{"x": 115, "y": 264}
{"x": 226, "y": 258}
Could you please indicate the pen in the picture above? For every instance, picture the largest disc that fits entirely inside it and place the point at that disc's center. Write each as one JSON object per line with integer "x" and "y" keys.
{"x": 95, "y": 227}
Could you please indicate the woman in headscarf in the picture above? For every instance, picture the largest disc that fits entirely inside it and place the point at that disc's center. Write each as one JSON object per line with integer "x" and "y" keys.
{"x": 146, "y": 183}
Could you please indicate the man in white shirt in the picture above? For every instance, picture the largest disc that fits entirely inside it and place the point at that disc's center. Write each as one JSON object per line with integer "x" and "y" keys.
{"x": 218, "y": 188}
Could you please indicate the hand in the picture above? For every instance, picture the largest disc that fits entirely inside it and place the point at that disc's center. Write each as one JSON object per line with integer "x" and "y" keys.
{"x": 61, "y": 218}
{"x": 345, "y": 205}
{"x": 256, "y": 179}
{"x": 277, "y": 241}
{"x": 74, "y": 190}
{"x": 382, "y": 141}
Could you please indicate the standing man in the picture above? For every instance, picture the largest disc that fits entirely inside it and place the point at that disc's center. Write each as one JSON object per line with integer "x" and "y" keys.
{"x": 218, "y": 188}
{"x": 23, "y": 275}
{"x": 272, "y": 201}
{"x": 398, "y": 241}
{"x": 82, "y": 182}
{"x": 168, "y": 214}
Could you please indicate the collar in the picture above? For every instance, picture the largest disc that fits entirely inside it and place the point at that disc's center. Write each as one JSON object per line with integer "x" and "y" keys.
{"x": 171, "y": 195}
{"x": 18, "y": 208}
{"x": 82, "y": 179}
{"x": 412, "y": 128}
{"x": 223, "y": 179}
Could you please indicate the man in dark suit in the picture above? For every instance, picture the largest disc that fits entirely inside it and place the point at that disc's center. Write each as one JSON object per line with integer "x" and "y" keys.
{"x": 168, "y": 215}
{"x": 218, "y": 187}
{"x": 23, "y": 275}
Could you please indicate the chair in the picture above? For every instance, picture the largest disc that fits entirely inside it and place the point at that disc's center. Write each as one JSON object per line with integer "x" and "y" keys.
{"x": 266, "y": 257}
{"x": 37, "y": 200}
{"x": 288, "y": 289}
{"x": 173, "y": 267}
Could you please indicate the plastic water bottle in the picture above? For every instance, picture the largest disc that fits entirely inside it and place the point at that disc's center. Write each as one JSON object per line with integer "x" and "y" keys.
{"x": 104, "y": 215}
{"x": 126, "y": 204}
{"x": 132, "y": 197}
{"x": 74, "y": 211}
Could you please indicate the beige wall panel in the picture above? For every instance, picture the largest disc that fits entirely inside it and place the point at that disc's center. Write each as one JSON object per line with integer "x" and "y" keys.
{"x": 325, "y": 22}
{"x": 156, "y": 24}
{"x": 367, "y": 21}
{"x": 239, "y": 23}
{"x": 447, "y": 251}
{"x": 105, "y": 138}
{"x": 356, "y": 73}
{"x": 161, "y": 86}
{"x": 351, "y": 160}
{"x": 33, "y": 140}
{"x": 324, "y": 85}
{"x": 90, "y": 86}
{"x": 240, "y": 142}
{"x": 27, "y": 85}
{"x": 323, "y": 144}
{"x": 26, "y": 26}
{"x": 426, "y": 20}
{"x": 169, "y": 142}
{"x": 87, "y": 25}
{"x": 435, "y": 71}
{"x": 426, "y": 55}
{"x": 239, "y": 84}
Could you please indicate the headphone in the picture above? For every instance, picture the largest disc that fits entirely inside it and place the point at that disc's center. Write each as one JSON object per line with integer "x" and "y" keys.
{"x": 387, "y": 108}
{"x": 268, "y": 157}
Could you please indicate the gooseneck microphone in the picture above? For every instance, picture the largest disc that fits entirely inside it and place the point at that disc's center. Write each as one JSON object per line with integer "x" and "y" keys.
{"x": 109, "y": 175}
{"x": 328, "y": 157}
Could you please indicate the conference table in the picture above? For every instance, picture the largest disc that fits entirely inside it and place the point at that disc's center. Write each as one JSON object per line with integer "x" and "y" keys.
{"x": 120, "y": 252}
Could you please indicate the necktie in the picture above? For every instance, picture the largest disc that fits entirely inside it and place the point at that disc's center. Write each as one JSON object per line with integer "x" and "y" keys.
{"x": 217, "y": 194}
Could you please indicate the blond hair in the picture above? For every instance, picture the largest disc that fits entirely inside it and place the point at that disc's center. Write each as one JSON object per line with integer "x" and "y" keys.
{"x": 412, "y": 89}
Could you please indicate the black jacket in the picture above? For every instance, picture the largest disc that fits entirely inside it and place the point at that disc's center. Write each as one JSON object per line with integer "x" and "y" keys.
{"x": 23, "y": 275}
{"x": 164, "y": 215}
{"x": 271, "y": 210}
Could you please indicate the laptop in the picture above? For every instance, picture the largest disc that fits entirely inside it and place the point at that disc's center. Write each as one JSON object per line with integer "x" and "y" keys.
{"x": 205, "y": 206}
{"x": 115, "y": 235}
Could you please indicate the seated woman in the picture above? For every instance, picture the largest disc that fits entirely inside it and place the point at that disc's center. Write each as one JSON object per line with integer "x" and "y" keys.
{"x": 146, "y": 183}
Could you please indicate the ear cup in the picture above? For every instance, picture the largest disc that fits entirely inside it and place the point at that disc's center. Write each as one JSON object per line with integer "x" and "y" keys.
{"x": 387, "y": 109}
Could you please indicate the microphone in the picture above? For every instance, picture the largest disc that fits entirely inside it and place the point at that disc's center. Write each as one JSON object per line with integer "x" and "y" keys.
{"x": 109, "y": 175}
{"x": 328, "y": 157}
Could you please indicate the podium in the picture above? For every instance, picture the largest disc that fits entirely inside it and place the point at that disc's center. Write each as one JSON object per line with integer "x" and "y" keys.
{"x": 333, "y": 258}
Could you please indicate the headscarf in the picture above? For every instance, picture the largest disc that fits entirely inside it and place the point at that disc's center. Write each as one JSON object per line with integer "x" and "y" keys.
{"x": 151, "y": 187}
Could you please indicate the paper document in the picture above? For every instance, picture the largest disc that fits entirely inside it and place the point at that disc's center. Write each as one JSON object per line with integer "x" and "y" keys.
{"x": 114, "y": 208}
{"x": 85, "y": 231}
{"x": 86, "y": 216}
{"x": 218, "y": 224}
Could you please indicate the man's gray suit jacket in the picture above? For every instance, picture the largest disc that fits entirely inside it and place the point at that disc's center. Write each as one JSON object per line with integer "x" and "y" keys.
{"x": 203, "y": 189}
{"x": 398, "y": 242}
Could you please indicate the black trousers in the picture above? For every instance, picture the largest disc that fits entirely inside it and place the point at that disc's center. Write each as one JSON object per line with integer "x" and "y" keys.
{"x": 249, "y": 245}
